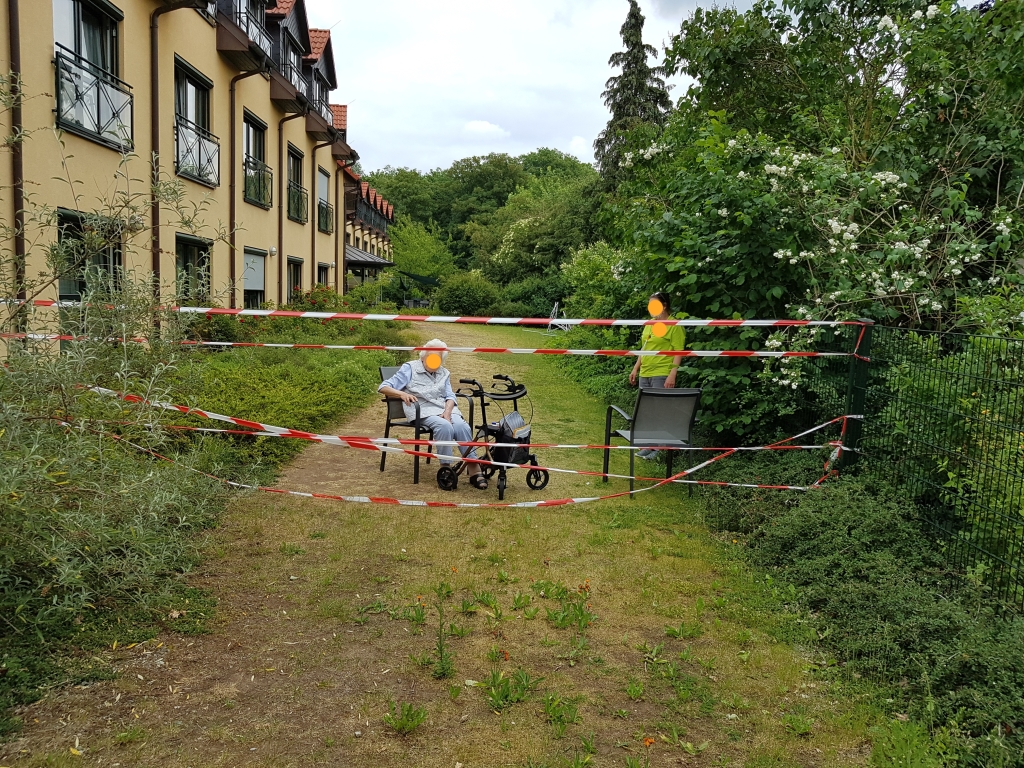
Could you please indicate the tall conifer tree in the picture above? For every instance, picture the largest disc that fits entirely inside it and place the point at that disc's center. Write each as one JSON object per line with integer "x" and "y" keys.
{"x": 636, "y": 96}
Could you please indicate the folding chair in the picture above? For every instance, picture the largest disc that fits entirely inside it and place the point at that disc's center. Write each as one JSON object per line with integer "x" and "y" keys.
{"x": 661, "y": 418}
{"x": 396, "y": 418}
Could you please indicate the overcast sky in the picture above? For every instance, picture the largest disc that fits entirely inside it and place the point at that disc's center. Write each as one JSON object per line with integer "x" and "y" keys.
{"x": 431, "y": 82}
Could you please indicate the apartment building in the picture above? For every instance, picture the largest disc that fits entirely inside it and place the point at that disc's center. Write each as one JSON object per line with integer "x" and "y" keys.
{"x": 367, "y": 243}
{"x": 231, "y": 98}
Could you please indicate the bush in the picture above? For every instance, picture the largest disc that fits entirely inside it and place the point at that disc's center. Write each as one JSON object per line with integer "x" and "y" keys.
{"x": 466, "y": 293}
{"x": 876, "y": 586}
{"x": 606, "y": 378}
{"x": 537, "y": 293}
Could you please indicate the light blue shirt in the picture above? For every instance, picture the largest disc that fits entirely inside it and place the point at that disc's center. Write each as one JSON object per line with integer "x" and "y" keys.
{"x": 403, "y": 376}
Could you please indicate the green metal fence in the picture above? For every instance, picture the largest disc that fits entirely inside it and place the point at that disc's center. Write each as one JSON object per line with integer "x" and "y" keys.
{"x": 944, "y": 420}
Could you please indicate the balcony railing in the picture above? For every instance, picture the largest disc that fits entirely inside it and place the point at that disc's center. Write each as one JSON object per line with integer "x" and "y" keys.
{"x": 259, "y": 183}
{"x": 371, "y": 216}
{"x": 324, "y": 109}
{"x": 254, "y": 30}
{"x": 294, "y": 76}
{"x": 298, "y": 203}
{"x": 93, "y": 102}
{"x": 325, "y": 217}
{"x": 197, "y": 152}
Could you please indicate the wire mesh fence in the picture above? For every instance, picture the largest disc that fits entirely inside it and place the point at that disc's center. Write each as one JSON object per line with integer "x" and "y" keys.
{"x": 944, "y": 420}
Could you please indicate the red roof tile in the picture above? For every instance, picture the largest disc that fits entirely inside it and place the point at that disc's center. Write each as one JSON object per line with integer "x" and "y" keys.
{"x": 281, "y": 9}
{"x": 318, "y": 39}
{"x": 363, "y": 187}
{"x": 391, "y": 211}
{"x": 340, "y": 112}
{"x": 348, "y": 171}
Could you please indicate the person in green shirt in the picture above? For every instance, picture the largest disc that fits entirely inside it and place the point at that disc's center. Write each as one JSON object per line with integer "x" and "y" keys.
{"x": 658, "y": 371}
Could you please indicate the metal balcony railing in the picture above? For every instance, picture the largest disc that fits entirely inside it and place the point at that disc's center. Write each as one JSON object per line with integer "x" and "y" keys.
{"x": 259, "y": 183}
{"x": 253, "y": 27}
{"x": 196, "y": 152}
{"x": 325, "y": 217}
{"x": 294, "y": 76}
{"x": 298, "y": 203}
{"x": 324, "y": 109}
{"x": 92, "y": 102}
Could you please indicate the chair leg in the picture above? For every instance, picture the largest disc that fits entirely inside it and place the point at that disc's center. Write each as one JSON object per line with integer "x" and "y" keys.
{"x": 607, "y": 451}
{"x": 668, "y": 463}
{"x": 632, "y": 472}
{"x": 384, "y": 454}
{"x": 607, "y": 441}
{"x": 416, "y": 462}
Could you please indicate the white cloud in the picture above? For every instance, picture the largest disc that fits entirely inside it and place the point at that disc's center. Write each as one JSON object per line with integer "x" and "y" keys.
{"x": 429, "y": 83}
{"x": 485, "y": 129}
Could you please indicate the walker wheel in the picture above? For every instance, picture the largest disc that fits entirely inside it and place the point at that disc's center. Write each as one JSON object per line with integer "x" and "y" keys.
{"x": 537, "y": 479}
{"x": 447, "y": 479}
{"x": 501, "y": 486}
{"x": 488, "y": 470}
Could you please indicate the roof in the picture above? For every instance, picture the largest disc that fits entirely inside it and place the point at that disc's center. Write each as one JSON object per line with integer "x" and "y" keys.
{"x": 364, "y": 186}
{"x": 281, "y": 9}
{"x": 318, "y": 40}
{"x": 340, "y": 112}
{"x": 359, "y": 257}
{"x": 349, "y": 172}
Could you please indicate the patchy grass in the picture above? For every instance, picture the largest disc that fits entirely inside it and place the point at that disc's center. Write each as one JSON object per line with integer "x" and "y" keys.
{"x": 577, "y": 635}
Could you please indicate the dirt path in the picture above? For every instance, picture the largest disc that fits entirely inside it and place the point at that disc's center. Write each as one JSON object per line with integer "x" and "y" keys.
{"x": 317, "y": 629}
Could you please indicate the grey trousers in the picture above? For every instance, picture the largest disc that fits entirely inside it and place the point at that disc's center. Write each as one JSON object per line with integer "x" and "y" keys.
{"x": 652, "y": 382}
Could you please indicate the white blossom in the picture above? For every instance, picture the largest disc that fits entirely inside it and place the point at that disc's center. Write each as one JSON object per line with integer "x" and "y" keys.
{"x": 932, "y": 12}
{"x": 918, "y": 15}
{"x": 723, "y": 212}
{"x": 886, "y": 23}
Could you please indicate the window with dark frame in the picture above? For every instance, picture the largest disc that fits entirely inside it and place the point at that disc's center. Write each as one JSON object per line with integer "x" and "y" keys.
{"x": 298, "y": 198}
{"x": 294, "y": 278}
{"x": 91, "y": 100}
{"x": 82, "y": 270}
{"x": 259, "y": 179}
{"x": 348, "y": 238}
{"x": 254, "y": 278}
{"x": 197, "y": 150}
{"x": 324, "y": 209}
{"x": 323, "y": 274}
{"x": 192, "y": 264}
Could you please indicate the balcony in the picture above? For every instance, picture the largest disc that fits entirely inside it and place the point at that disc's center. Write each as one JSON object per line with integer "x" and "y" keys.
{"x": 324, "y": 109}
{"x": 325, "y": 217}
{"x": 241, "y": 36}
{"x": 298, "y": 203}
{"x": 371, "y": 216}
{"x": 289, "y": 89}
{"x": 93, "y": 103}
{"x": 294, "y": 76}
{"x": 320, "y": 121}
{"x": 196, "y": 153}
{"x": 259, "y": 183}
{"x": 253, "y": 27}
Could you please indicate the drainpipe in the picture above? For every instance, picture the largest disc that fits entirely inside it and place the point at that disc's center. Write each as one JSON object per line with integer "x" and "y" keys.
{"x": 233, "y": 203}
{"x": 154, "y": 91}
{"x": 283, "y": 261}
{"x": 314, "y": 189}
{"x": 17, "y": 156}
{"x": 339, "y": 234}
{"x": 341, "y": 219}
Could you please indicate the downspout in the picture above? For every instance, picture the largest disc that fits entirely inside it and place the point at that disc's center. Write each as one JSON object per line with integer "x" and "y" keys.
{"x": 154, "y": 90}
{"x": 17, "y": 156}
{"x": 281, "y": 273}
{"x": 342, "y": 218}
{"x": 233, "y": 203}
{"x": 338, "y": 233}
{"x": 314, "y": 190}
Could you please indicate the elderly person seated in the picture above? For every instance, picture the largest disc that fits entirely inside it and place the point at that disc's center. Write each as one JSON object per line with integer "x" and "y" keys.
{"x": 426, "y": 381}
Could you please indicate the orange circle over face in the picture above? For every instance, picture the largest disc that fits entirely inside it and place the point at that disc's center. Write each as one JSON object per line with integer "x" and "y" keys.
{"x": 432, "y": 361}
{"x": 655, "y": 307}
{"x": 659, "y": 329}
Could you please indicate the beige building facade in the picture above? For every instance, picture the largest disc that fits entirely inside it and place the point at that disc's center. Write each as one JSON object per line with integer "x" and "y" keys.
{"x": 230, "y": 99}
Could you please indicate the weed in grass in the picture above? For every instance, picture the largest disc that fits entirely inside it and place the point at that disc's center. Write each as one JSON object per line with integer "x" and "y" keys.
{"x": 544, "y": 641}
{"x": 444, "y": 660}
{"x": 415, "y": 614}
{"x": 505, "y": 578}
{"x": 229, "y": 703}
{"x": 132, "y": 735}
{"x": 454, "y": 691}
{"x": 708, "y": 664}
{"x": 290, "y": 550}
{"x": 328, "y": 742}
{"x": 589, "y": 744}
{"x": 635, "y": 689}
{"x": 577, "y": 646}
{"x": 668, "y": 670}
{"x": 376, "y": 607}
{"x": 798, "y": 724}
{"x": 550, "y": 590}
{"x": 443, "y": 590}
{"x": 496, "y": 616}
{"x": 573, "y": 611}
{"x": 642, "y": 761}
{"x": 694, "y": 749}
{"x": 671, "y": 734}
{"x": 686, "y": 655}
{"x": 744, "y": 656}
{"x": 684, "y": 630}
{"x": 560, "y": 712}
{"x": 479, "y": 542}
{"x": 405, "y": 718}
{"x": 531, "y": 613}
{"x": 520, "y": 601}
{"x": 468, "y": 607}
{"x": 652, "y": 655}
{"x": 699, "y": 607}
{"x": 456, "y": 630}
{"x": 496, "y": 654}
{"x": 579, "y": 759}
{"x": 424, "y": 659}
{"x": 744, "y": 636}
{"x": 318, "y": 535}
{"x": 502, "y": 691}
{"x": 381, "y": 579}
{"x": 494, "y": 558}
{"x": 486, "y": 599}
{"x": 622, "y": 714}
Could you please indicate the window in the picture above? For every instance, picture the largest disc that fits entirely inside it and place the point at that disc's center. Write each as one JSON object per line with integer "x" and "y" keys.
{"x": 254, "y": 280}
{"x": 259, "y": 179}
{"x": 291, "y": 65}
{"x": 91, "y": 100}
{"x": 348, "y": 238}
{"x": 323, "y": 274}
{"x": 193, "y": 269}
{"x": 373, "y": 250}
{"x": 197, "y": 151}
{"x": 294, "y": 278}
{"x": 84, "y": 271}
{"x": 324, "y": 209}
{"x": 298, "y": 198}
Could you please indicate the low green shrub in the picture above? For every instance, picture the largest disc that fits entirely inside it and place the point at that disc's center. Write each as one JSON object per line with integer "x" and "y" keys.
{"x": 538, "y": 293}
{"x": 466, "y": 293}
{"x": 606, "y": 378}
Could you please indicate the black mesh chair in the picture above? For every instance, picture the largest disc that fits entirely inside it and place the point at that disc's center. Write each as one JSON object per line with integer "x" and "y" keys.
{"x": 661, "y": 418}
{"x": 396, "y": 418}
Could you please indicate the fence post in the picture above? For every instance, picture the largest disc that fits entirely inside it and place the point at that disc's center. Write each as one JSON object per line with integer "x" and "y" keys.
{"x": 856, "y": 392}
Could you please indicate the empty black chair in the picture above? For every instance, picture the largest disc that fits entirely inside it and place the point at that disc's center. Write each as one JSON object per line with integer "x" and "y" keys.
{"x": 662, "y": 418}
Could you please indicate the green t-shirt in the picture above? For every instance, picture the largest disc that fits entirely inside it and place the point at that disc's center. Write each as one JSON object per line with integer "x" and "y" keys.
{"x": 660, "y": 365}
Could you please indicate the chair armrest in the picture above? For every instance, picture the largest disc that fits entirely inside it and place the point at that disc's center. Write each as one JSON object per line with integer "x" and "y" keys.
{"x": 619, "y": 411}
{"x": 469, "y": 400}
